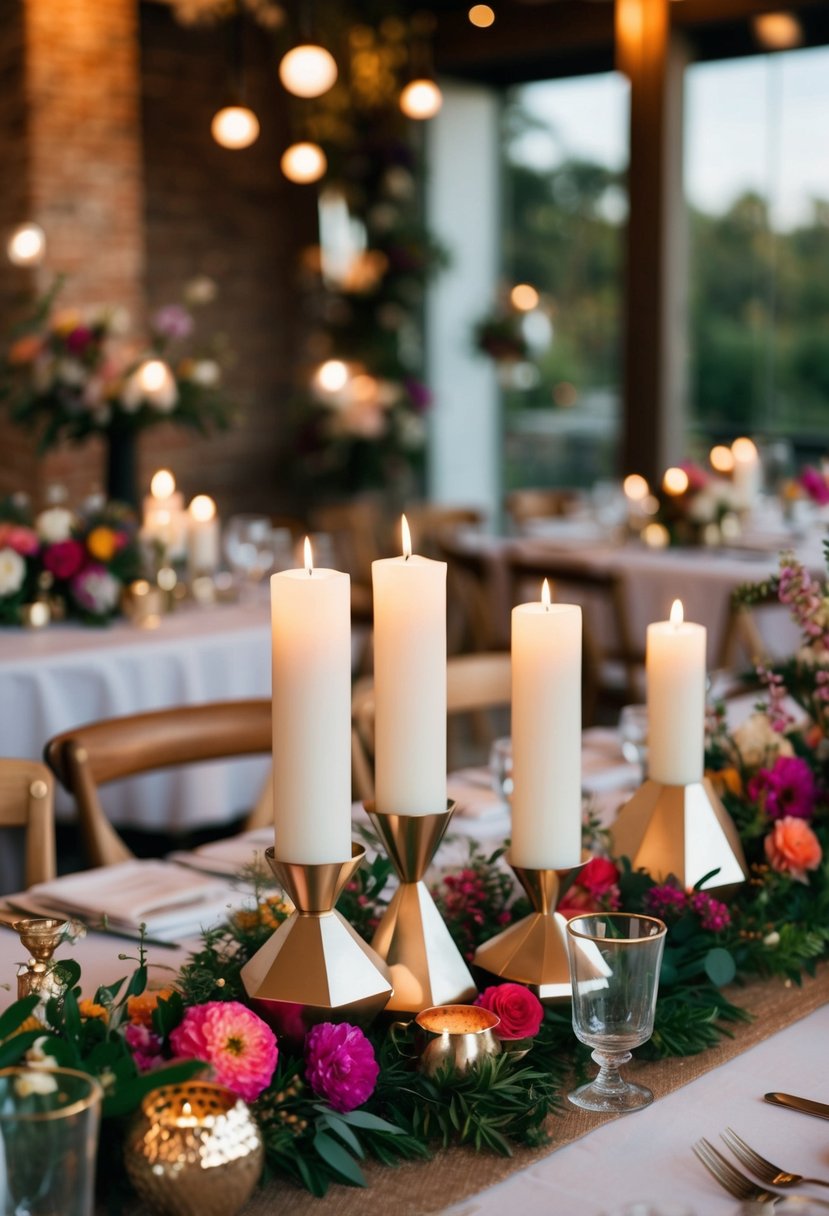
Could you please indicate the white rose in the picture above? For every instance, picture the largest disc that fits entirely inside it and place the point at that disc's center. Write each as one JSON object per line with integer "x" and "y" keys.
{"x": 12, "y": 572}
{"x": 207, "y": 373}
{"x": 71, "y": 372}
{"x": 703, "y": 508}
{"x": 758, "y": 742}
{"x": 132, "y": 394}
{"x": 35, "y": 1081}
{"x": 39, "y": 1059}
{"x": 54, "y": 525}
{"x": 201, "y": 290}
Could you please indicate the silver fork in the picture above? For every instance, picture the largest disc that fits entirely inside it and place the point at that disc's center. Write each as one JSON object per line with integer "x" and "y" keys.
{"x": 742, "y": 1187}
{"x": 765, "y": 1171}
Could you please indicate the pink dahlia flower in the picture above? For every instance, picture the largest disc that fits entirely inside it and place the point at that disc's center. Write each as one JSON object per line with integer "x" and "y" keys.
{"x": 65, "y": 558}
{"x": 340, "y": 1065}
{"x": 787, "y": 789}
{"x": 231, "y": 1038}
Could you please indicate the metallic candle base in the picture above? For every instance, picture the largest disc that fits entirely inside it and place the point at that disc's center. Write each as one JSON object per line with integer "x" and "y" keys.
{"x": 682, "y": 830}
{"x": 315, "y": 968}
{"x": 533, "y": 951}
{"x": 425, "y": 964}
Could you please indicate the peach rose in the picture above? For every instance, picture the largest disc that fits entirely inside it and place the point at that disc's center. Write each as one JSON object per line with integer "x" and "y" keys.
{"x": 792, "y": 848}
{"x": 25, "y": 350}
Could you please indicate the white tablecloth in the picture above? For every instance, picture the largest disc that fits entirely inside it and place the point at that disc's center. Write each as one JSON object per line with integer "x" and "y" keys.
{"x": 67, "y": 675}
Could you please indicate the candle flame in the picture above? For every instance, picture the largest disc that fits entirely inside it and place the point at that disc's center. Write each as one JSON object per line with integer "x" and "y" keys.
{"x": 677, "y": 614}
{"x": 545, "y": 593}
{"x": 163, "y": 484}
{"x": 202, "y": 508}
{"x": 744, "y": 449}
{"x": 186, "y": 1108}
{"x": 407, "y": 537}
{"x": 309, "y": 556}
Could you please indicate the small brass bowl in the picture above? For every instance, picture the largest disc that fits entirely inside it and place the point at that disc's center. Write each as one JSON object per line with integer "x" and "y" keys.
{"x": 194, "y": 1149}
{"x": 456, "y": 1036}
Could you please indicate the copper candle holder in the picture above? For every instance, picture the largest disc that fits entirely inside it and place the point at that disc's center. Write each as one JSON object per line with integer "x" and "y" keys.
{"x": 680, "y": 830}
{"x": 315, "y": 968}
{"x": 533, "y": 951}
{"x": 426, "y": 966}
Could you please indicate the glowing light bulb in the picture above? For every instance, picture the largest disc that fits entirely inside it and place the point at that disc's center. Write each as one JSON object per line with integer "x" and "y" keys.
{"x": 303, "y": 163}
{"x": 524, "y": 297}
{"x": 481, "y": 15}
{"x": 308, "y": 70}
{"x": 26, "y": 245}
{"x": 332, "y": 375}
{"x": 635, "y": 487}
{"x": 235, "y": 127}
{"x": 421, "y": 99}
{"x": 163, "y": 484}
{"x": 777, "y": 31}
{"x": 675, "y": 481}
{"x": 722, "y": 458}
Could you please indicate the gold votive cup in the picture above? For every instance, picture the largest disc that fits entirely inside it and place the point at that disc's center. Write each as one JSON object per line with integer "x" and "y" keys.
{"x": 457, "y": 1037}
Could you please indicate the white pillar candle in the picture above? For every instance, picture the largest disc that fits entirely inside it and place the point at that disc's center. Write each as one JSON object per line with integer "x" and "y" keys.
{"x": 311, "y": 637}
{"x": 546, "y": 735}
{"x": 410, "y": 683}
{"x": 164, "y": 518}
{"x": 202, "y": 535}
{"x": 748, "y": 471}
{"x": 675, "y": 663}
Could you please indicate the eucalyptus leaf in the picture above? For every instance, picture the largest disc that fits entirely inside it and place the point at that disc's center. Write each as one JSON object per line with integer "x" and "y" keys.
{"x": 720, "y": 966}
{"x": 336, "y": 1157}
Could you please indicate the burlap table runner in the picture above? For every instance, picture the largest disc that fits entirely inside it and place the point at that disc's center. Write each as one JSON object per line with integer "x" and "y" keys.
{"x": 424, "y": 1188}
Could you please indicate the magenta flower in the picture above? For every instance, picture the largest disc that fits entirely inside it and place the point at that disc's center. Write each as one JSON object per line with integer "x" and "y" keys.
{"x": 698, "y": 479}
{"x": 65, "y": 558}
{"x": 787, "y": 789}
{"x": 78, "y": 340}
{"x": 815, "y": 485}
{"x": 144, "y": 1045}
{"x": 340, "y": 1065}
{"x": 237, "y": 1044}
{"x": 95, "y": 590}
{"x": 666, "y": 899}
{"x": 713, "y": 914}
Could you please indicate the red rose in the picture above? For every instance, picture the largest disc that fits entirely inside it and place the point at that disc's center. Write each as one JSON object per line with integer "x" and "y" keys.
{"x": 520, "y": 1012}
{"x": 64, "y": 559}
{"x": 598, "y": 876}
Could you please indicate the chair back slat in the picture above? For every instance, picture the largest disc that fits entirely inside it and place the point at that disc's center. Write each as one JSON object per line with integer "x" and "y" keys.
{"x": 27, "y": 800}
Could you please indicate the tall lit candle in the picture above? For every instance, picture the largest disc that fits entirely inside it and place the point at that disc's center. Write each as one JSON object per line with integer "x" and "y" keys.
{"x": 410, "y": 683}
{"x": 675, "y": 663}
{"x": 546, "y": 734}
{"x": 202, "y": 535}
{"x": 311, "y": 638}
{"x": 748, "y": 471}
{"x": 164, "y": 517}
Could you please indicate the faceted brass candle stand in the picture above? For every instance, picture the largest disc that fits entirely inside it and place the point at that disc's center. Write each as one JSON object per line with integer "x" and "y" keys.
{"x": 682, "y": 830}
{"x": 41, "y": 936}
{"x": 425, "y": 964}
{"x": 533, "y": 951}
{"x": 315, "y": 968}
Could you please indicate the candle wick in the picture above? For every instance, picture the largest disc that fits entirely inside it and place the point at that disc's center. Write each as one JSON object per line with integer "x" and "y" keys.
{"x": 406, "y": 556}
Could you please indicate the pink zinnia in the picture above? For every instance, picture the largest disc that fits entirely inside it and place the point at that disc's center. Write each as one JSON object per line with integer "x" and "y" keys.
{"x": 815, "y": 485}
{"x": 65, "y": 558}
{"x": 23, "y": 540}
{"x": 340, "y": 1065}
{"x": 787, "y": 789}
{"x": 231, "y": 1038}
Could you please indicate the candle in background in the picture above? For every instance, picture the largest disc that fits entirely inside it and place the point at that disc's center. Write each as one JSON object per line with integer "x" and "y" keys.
{"x": 202, "y": 536}
{"x": 675, "y": 664}
{"x": 546, "y": 735}
{"x": 311, "y": 639}
{"x": 410, "y": 683}
{"x": 748, "y": 471}
{"x": 165, "y": 520}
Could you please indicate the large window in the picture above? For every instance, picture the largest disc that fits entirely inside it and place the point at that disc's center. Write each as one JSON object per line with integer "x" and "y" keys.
{"x": 565, "y": 154}
{"x": 757, "y": 182}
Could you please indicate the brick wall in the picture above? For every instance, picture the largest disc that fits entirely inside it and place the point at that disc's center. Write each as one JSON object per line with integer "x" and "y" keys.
{"x": 105, "y": 111}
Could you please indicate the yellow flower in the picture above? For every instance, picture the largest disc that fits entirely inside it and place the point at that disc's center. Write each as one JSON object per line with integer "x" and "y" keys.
{"x": 727, "y": 780}
{"x": 65, "y": 321}
{"x": 101, "y": 543}
{"x": 186, "y": 368}
{"x": 88, "y": 1009}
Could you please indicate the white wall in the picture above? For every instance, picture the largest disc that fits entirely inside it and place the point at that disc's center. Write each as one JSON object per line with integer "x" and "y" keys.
{"x": 462, "y": 212}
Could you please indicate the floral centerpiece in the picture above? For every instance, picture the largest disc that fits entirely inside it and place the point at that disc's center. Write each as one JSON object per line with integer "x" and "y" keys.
{"x": 76, "y": 562}
{"x": 71, "y": 373}
{"x": 700, "y": 509}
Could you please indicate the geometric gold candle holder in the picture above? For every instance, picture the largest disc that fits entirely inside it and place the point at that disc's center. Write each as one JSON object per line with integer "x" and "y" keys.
{"x": 682, "y": 830}
{"x": 425, "y": 965}
{"x": 314, "y": 967}
{"x": 534, "y": 950}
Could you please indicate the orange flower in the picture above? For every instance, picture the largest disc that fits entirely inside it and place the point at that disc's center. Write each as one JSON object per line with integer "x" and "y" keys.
{"x": 726, "y": 780}
{"x": 268, "y": 915}
{"x": 88, "y": 1009}
{"x": 25, "y": 349}
{"x": 140, "y": 1008}
{"x": 102, "y": 543}
{"x": 65, "y": 321}
{"x": 792, "y": 848}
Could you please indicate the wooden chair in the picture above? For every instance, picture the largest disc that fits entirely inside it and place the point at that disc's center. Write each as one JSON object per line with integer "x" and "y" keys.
{"x": 612, "y": 665}
{"x": 474, "y": 683}
{"x": 743, "y": 644}
{"x": 431, "y": 522}
{"x": 359, "y": 534}
{"x": 473, "y": 622}
{"x": 90, "y": 756}
{"x": 27, "y": 800}
{"x": 525, "y": 504}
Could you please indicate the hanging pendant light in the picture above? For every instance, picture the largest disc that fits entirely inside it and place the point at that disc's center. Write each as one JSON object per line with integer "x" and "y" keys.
{"x": 308, "y": 70}
{"x": 235, "y": 125}
{"x": 27, "y": 245}
{"x": 421, "y": 99}
{"x": 303, "y": 163}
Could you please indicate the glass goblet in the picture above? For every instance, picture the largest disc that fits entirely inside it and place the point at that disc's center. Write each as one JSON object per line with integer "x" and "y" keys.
{"x": 500, "y": 768}
{"x": 615, "y": 959}
{"x": 633, "y": 736}
{"x": 249, "y": 548}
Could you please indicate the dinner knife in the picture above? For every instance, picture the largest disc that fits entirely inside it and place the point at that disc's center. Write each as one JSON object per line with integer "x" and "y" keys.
{"x": 805, "y": 1105}
{"x": 13, "y": 912}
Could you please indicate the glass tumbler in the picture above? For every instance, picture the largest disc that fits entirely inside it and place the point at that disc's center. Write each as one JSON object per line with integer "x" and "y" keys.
{"x": 48, "y": 1141}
